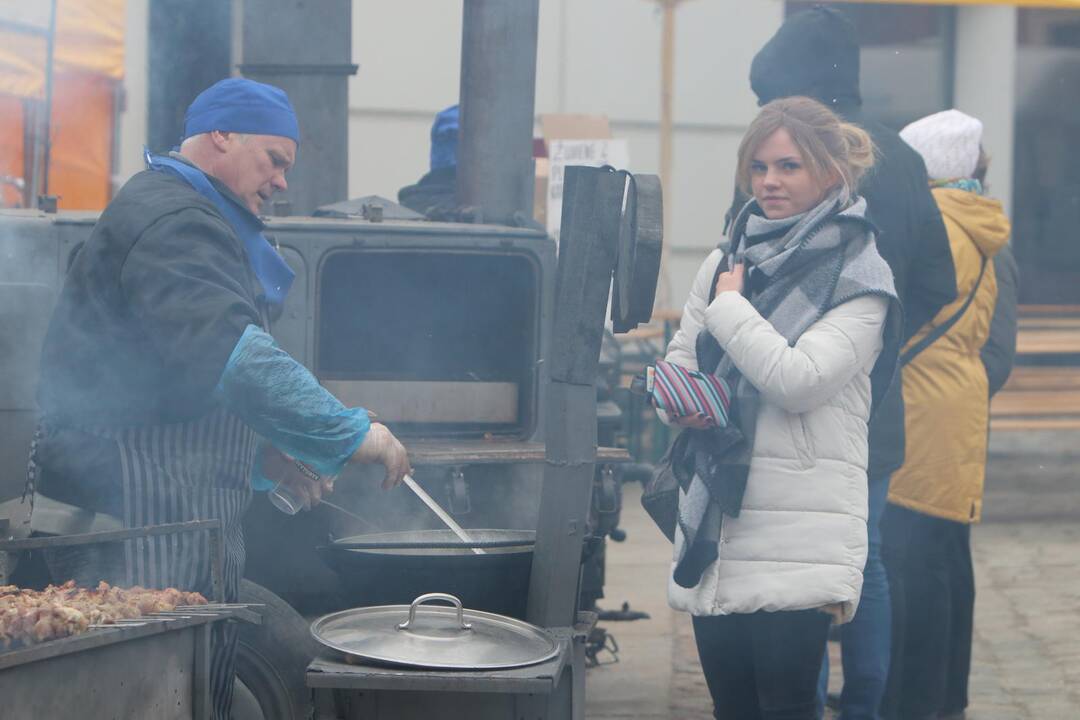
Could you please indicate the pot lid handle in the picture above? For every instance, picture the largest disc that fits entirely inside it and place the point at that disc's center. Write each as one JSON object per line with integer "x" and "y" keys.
{"x": 435, "y": 596}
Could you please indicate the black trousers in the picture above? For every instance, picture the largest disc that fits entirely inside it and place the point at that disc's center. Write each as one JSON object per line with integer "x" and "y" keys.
{"x": 763, "y": 665}
{"x": 932, "y": 583}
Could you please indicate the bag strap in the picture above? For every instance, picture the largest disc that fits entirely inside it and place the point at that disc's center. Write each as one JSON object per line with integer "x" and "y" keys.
{"x": 721, "y": 266}
{"x": 931, "y": 337}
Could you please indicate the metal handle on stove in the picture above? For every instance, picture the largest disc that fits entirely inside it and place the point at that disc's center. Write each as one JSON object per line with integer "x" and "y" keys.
{"x": 435, "y": 596}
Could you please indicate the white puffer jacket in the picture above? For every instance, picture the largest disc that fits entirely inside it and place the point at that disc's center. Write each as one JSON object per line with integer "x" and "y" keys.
{"x": 800, "y": 540}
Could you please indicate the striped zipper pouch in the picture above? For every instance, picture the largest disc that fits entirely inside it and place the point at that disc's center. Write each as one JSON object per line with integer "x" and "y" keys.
{"x": 679, "y": 391}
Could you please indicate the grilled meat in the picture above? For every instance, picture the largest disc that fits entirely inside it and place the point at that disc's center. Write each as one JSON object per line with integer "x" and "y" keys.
{"x": 28, "y": 617}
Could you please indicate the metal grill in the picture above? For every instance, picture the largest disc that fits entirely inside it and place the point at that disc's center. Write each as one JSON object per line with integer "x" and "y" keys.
{"x": 211, "y": 527}
{"x": 151, "y": 666}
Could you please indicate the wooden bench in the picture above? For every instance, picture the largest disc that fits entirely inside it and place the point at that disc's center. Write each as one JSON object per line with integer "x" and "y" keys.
{"x": 1038, "y": 398}
{"x": 1045, "y": 397}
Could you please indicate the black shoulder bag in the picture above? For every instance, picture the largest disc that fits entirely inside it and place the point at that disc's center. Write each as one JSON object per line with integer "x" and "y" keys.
{"x": 931, "y": 337}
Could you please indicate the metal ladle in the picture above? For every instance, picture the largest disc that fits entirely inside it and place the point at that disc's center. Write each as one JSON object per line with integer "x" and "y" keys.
{"x": 442, "y": 514}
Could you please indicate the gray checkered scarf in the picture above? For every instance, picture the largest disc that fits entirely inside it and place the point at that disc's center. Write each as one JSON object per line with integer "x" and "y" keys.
{"x": 813, "y": 263}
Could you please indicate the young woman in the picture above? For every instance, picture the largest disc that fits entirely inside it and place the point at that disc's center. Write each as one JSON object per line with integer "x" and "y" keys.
{"x": 794, "y": 314}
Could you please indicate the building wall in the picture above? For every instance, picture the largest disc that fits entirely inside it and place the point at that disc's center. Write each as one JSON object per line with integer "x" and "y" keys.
{"x": 594, "y": 56}
{"x": 132, "y": 121}
{"x": 986, "y": 85}
{"x": 598, "y": 56}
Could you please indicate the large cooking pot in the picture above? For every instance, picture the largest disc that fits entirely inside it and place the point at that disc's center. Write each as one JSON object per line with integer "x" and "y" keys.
{"x": 394, "y": 568}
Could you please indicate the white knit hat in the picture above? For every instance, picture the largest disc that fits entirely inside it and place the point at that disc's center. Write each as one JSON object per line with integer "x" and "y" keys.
{"x": 948, "y": 142}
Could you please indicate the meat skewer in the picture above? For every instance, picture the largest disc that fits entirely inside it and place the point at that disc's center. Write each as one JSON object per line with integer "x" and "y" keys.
{"x": 28, "y": 617}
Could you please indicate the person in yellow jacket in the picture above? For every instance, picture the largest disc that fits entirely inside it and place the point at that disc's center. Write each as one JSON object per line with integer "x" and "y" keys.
{"x": 937, "y": 494}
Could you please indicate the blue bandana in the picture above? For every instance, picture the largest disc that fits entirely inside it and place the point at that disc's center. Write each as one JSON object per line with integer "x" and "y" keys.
{"x": 274, "y": 274}
{"x": 444, "y": 137}
{"x": 242, "y": 106}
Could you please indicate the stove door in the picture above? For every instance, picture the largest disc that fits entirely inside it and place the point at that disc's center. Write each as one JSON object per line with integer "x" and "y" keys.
{"x": 437, "y": 342}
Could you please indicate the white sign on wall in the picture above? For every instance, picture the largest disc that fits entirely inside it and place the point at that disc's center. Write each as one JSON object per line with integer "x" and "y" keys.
{"x": 593, "y": 153}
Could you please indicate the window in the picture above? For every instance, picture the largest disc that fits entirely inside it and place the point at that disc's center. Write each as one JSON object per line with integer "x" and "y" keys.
{"x": 1046, "y": 172}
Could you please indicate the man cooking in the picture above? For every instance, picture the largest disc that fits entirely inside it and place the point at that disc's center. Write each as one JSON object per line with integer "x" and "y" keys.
{"x": 159, "y": 381}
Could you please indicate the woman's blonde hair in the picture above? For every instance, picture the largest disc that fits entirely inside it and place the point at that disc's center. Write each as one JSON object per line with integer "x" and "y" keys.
{"x": 827, "y": 143}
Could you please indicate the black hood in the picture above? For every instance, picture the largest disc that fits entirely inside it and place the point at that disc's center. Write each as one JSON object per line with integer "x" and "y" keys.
{"x": 814, "y": 53}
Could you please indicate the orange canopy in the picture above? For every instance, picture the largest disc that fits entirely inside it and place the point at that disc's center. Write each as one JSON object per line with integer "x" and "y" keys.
{"x": 89, "y": 38}
{"x": 88, "y": 63}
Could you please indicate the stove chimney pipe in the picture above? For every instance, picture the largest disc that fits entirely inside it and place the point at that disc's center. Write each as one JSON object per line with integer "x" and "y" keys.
{"x": 498, "y": 94}
{"x": 305, "y": 48}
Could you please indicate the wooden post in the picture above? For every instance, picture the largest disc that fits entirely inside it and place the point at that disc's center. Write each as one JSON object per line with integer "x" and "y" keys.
{"x": 667, "y": 73}
{"x": 667, "y": 92}
{"x": 46, "y": 147}
{"x": 667, "y": 89}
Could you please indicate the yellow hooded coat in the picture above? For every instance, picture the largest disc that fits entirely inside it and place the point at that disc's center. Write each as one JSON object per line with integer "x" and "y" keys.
{"x": 946, "y": 398}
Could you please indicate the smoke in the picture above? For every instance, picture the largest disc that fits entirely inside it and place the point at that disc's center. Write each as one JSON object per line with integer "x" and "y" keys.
{"x": 359, "y": 490}
{"x": 494, "y": 497}
{"x": 485, "y": 328}
{"x": 29, "y": 248}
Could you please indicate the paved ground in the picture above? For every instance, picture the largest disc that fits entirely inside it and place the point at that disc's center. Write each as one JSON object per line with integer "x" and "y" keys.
{"x": 1027, "y": 645}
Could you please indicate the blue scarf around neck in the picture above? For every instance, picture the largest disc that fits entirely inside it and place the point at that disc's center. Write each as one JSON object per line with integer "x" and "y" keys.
{"x": 274, "y": 274}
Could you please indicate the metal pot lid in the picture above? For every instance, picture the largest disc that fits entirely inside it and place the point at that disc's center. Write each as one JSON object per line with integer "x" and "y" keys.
{"x": 434, "y": 636}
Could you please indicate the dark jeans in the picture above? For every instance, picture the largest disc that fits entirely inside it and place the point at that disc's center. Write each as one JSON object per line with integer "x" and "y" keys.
{"x": 933, "y": 593}
{"x": 762, "y": 665}
{"x": 865, "y": 641}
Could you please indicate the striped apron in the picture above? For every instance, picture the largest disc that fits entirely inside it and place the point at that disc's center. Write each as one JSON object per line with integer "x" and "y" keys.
{"x": 195, "y": 470}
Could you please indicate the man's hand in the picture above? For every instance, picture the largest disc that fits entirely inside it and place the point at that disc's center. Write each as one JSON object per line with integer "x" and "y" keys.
{"x": 303, "y": 487}
{"x": 281, "y": 469}
{"x": 731, "y": 280}
{"x": 380, "y": 446}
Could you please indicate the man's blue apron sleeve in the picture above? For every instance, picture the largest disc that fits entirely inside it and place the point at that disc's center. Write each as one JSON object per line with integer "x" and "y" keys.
{"x": 281, "y": 400}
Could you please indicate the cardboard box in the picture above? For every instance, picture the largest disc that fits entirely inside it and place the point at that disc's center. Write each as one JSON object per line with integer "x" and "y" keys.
{"x": 574, "y": 127}
{"x": 561, "y": 127}
{"x": 540, "y": 186}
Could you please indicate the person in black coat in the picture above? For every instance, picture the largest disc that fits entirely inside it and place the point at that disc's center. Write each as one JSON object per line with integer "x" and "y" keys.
{"x": 816, "y": 53}
{"x": 999, "y": 352}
